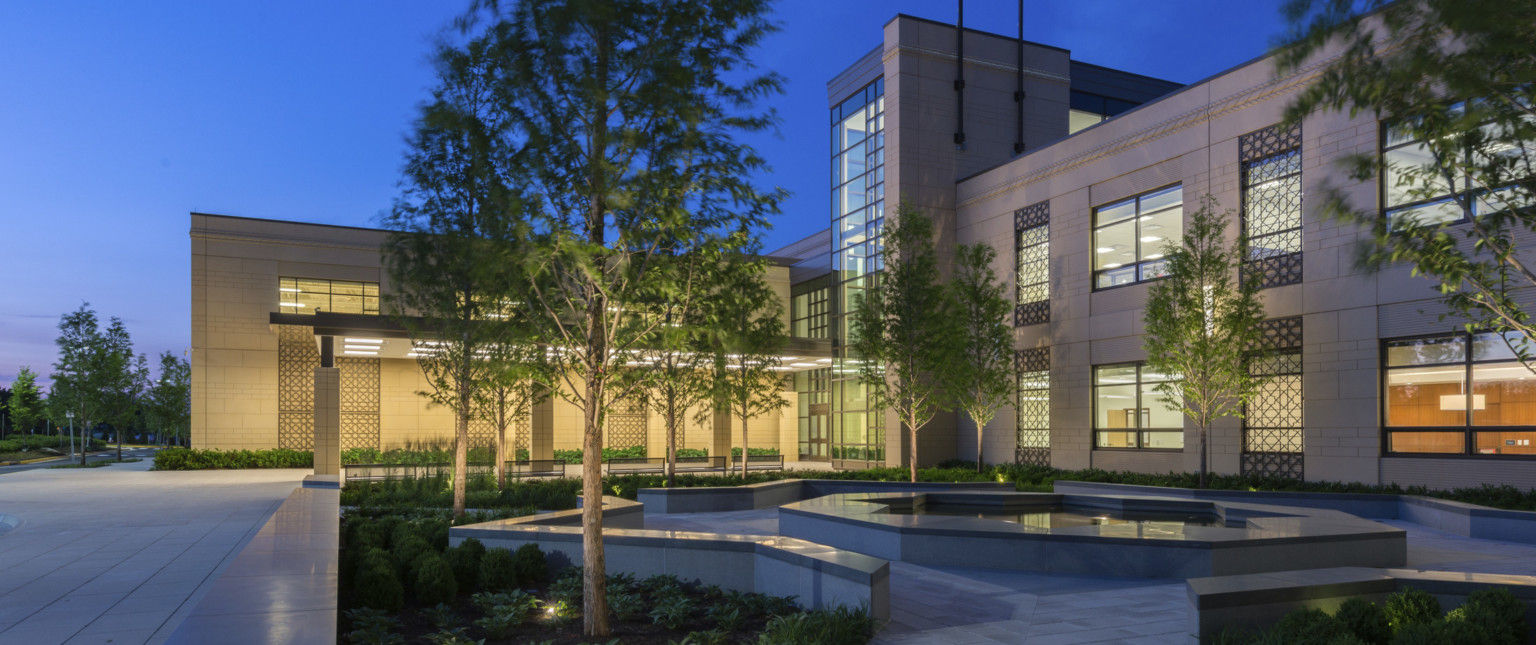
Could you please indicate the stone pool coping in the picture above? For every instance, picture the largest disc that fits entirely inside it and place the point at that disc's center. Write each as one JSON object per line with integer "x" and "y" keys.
{"x": 1274, "y": 538}
{"x": 1461, "y": 518}
{"x": 819, "y": 576}
{"x": 718, "y": 499}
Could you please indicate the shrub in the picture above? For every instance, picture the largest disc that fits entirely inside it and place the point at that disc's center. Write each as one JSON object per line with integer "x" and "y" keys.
{"x": 1411, "y": 607}
{"x": 440, "y": 615}
{"x": 408, "y": 551}
{"x": 498, "y": 572}
{"x": 530, "y": 565}
{"x": 626, "y": 605}
{"x": 1439, "y": 632}
{"x": 434, "y": 580}
{"x": 568, "y": 587}
{"x": 189, "y": 459}
{"x": 1496, "y": 613}
{"x": 1310, "y": 626}
{"x": 372, "y": 627}
{"x": 1365, "y": 620}
{"x": 838, "y": 626}
{"x": 692, "y": 452}
{"x": 378, "y": 585}
{"x": 465, "y": 561}
{"x": 736, "y": 452}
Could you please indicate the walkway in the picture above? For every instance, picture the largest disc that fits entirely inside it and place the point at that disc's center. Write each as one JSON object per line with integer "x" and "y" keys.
{"x": 119, "y": 554}
{"x": 935, "y": 605}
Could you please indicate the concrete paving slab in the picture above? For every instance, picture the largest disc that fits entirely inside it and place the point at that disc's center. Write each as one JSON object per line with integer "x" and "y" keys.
{"x": 119, "y": 553}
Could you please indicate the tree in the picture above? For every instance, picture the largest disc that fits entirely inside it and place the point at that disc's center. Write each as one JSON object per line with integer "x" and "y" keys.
{"x": 520, "y": 379}
{"x": 26, "y": 401}
{"x": 441, "y": 255}
{"x": 624, "y": 115}
{"x": 981, "y": 379}
{"x": 676, "y": 374}
{"x": 903, "y": 331}
{"x": 1202, "y": 324}
{"x": 746, "y": 329}
{"x": 1454, "y": 76}
{"x": 168, "y": 404}
{"x": 127, "y": 389}
{"x": 92, "y": 363}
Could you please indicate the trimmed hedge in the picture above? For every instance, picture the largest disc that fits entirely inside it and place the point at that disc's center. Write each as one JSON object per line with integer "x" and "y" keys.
{"x": 1412, "y": 617}
{"x": 189, "y": 459}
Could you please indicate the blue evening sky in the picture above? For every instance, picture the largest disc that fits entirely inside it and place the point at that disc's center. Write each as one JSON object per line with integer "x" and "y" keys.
{"x": 118, "y": 118}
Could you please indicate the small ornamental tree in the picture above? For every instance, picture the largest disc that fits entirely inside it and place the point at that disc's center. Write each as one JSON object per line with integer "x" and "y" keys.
{"x": 981, "y": 379}
{"x": 92, "y": 363}
{"x": 1453, "y": 78}
{"x": 26, "y": 401}
{"x": 520, "y": 378}
{"x": 904, "y": 333}
{"x": 169, "y": 401}
{"x": 440, "y": 258}
{"x": 1202, "y": 323}
{"x": 744, "y": 319}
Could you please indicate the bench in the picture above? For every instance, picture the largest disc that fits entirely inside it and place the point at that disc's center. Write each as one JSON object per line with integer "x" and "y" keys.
{"x": 759, "y": 462}
{"x": 658, "y": 465}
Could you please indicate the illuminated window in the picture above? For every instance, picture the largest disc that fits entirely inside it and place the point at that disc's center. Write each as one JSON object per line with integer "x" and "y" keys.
{"x": 1130, "y": 237}
{"x": 1459, "y": 393}
{"x": 1129, "y": 413}
{"x": 308, "y": 296}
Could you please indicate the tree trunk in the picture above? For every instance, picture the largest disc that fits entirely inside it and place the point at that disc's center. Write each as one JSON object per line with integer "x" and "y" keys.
{"x": 595, "y": 592}
{"x": 671, "y": 437}
{"x": 1202, "y": 456}
{"x": 979, "y": 428}
{"x": 500, "y": 456}
{"x": 460, "y": 454}
{"x": 743, "y": 443}
{"x": 912, "y": 452}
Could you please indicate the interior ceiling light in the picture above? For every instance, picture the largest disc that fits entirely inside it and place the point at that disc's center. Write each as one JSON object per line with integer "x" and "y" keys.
{"x": 291, "y": 304}
{"x": 288, "y": 289}
{"x": 1150, "y": 238}
{"x": 374, "y": 341}
{"x": 1105, "y": 249}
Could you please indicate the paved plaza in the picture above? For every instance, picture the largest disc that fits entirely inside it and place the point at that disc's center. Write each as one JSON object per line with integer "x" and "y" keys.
{"x": 119, "y": 554}
{"x": 937, "y": 605}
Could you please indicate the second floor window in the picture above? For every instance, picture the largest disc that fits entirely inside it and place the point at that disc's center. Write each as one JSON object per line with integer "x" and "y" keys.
{"x": 307, "y": 296}
{"x": 1130, "y": 237}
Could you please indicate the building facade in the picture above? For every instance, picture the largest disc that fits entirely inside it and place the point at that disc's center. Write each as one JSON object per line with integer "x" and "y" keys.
{"x": 1079, "y": 176}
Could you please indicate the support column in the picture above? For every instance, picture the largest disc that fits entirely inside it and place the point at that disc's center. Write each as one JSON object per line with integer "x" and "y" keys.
{"x": 327, "y": 421}
{"x": 720, "y": 438}
{"x": 541, "y": 430}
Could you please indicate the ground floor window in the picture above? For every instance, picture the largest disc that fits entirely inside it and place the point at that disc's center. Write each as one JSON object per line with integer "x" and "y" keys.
{"x": 1458, "y": 394}
{"x": 1129, "y": 413}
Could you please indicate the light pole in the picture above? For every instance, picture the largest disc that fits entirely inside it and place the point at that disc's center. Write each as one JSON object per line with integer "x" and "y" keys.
{"x": 70, "y": 414}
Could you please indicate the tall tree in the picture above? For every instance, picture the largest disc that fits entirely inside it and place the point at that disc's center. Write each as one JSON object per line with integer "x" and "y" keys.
{"x": 746, "y": 329}
{"x": 91, "y": 364}
{"x": 1202, "y": 324}
{"x": 446, "y": 287}
{"x": 981, "y": 377}
{"x": 903, "y": 331}
{"x": 675, "y": 371}
{"x": 624, "y": 117}
{"x": 25, "y": 405}
{"x": 169, "y": 402}
{"x": 1455, "y": 77}
{"x": 127, "y": 390}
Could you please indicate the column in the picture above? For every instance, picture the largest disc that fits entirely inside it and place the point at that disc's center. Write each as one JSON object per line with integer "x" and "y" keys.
{"x": 327, "y": 421}
{"x": 541, "y": 430}
{"x": 720, "y": 439}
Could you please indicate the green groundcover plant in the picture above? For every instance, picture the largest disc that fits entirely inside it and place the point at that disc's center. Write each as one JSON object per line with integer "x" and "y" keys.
{"x": 1492, "y": 616}
{"x": 46, "y": 444}
{"x": 189, "y": 459}
{"x": 401, "y": 582}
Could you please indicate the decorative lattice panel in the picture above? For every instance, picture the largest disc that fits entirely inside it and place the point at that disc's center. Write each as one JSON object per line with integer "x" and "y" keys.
{"x": 359, "y": 402}
{"x": 482, "y": 433}
{"x": 1032, "y": 236}
{"x": 297, "y": 359}
{"x": 1033, "y": 432}
{"x": 1271, "y": 161}
{"x": 1273, "y": 437}
{"x": 626, "y": 425}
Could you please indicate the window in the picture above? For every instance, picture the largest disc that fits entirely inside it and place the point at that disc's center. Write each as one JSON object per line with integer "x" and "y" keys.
{"x": 1128, "y": 413}
{"x": 1459, "y": 393}
{"x": 1419, "y": 189}
{"x": 809, "y": 308}
{"x": 1033, "y": 432}
{"x": 1130, "y": 237}
{"x": 307, "y": 296}
{"x": 1273, "y": 436}
{"x": 1271, "y": 164}
{"x": 1087, "y": 110}
{"x": 1032, "y": 264}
